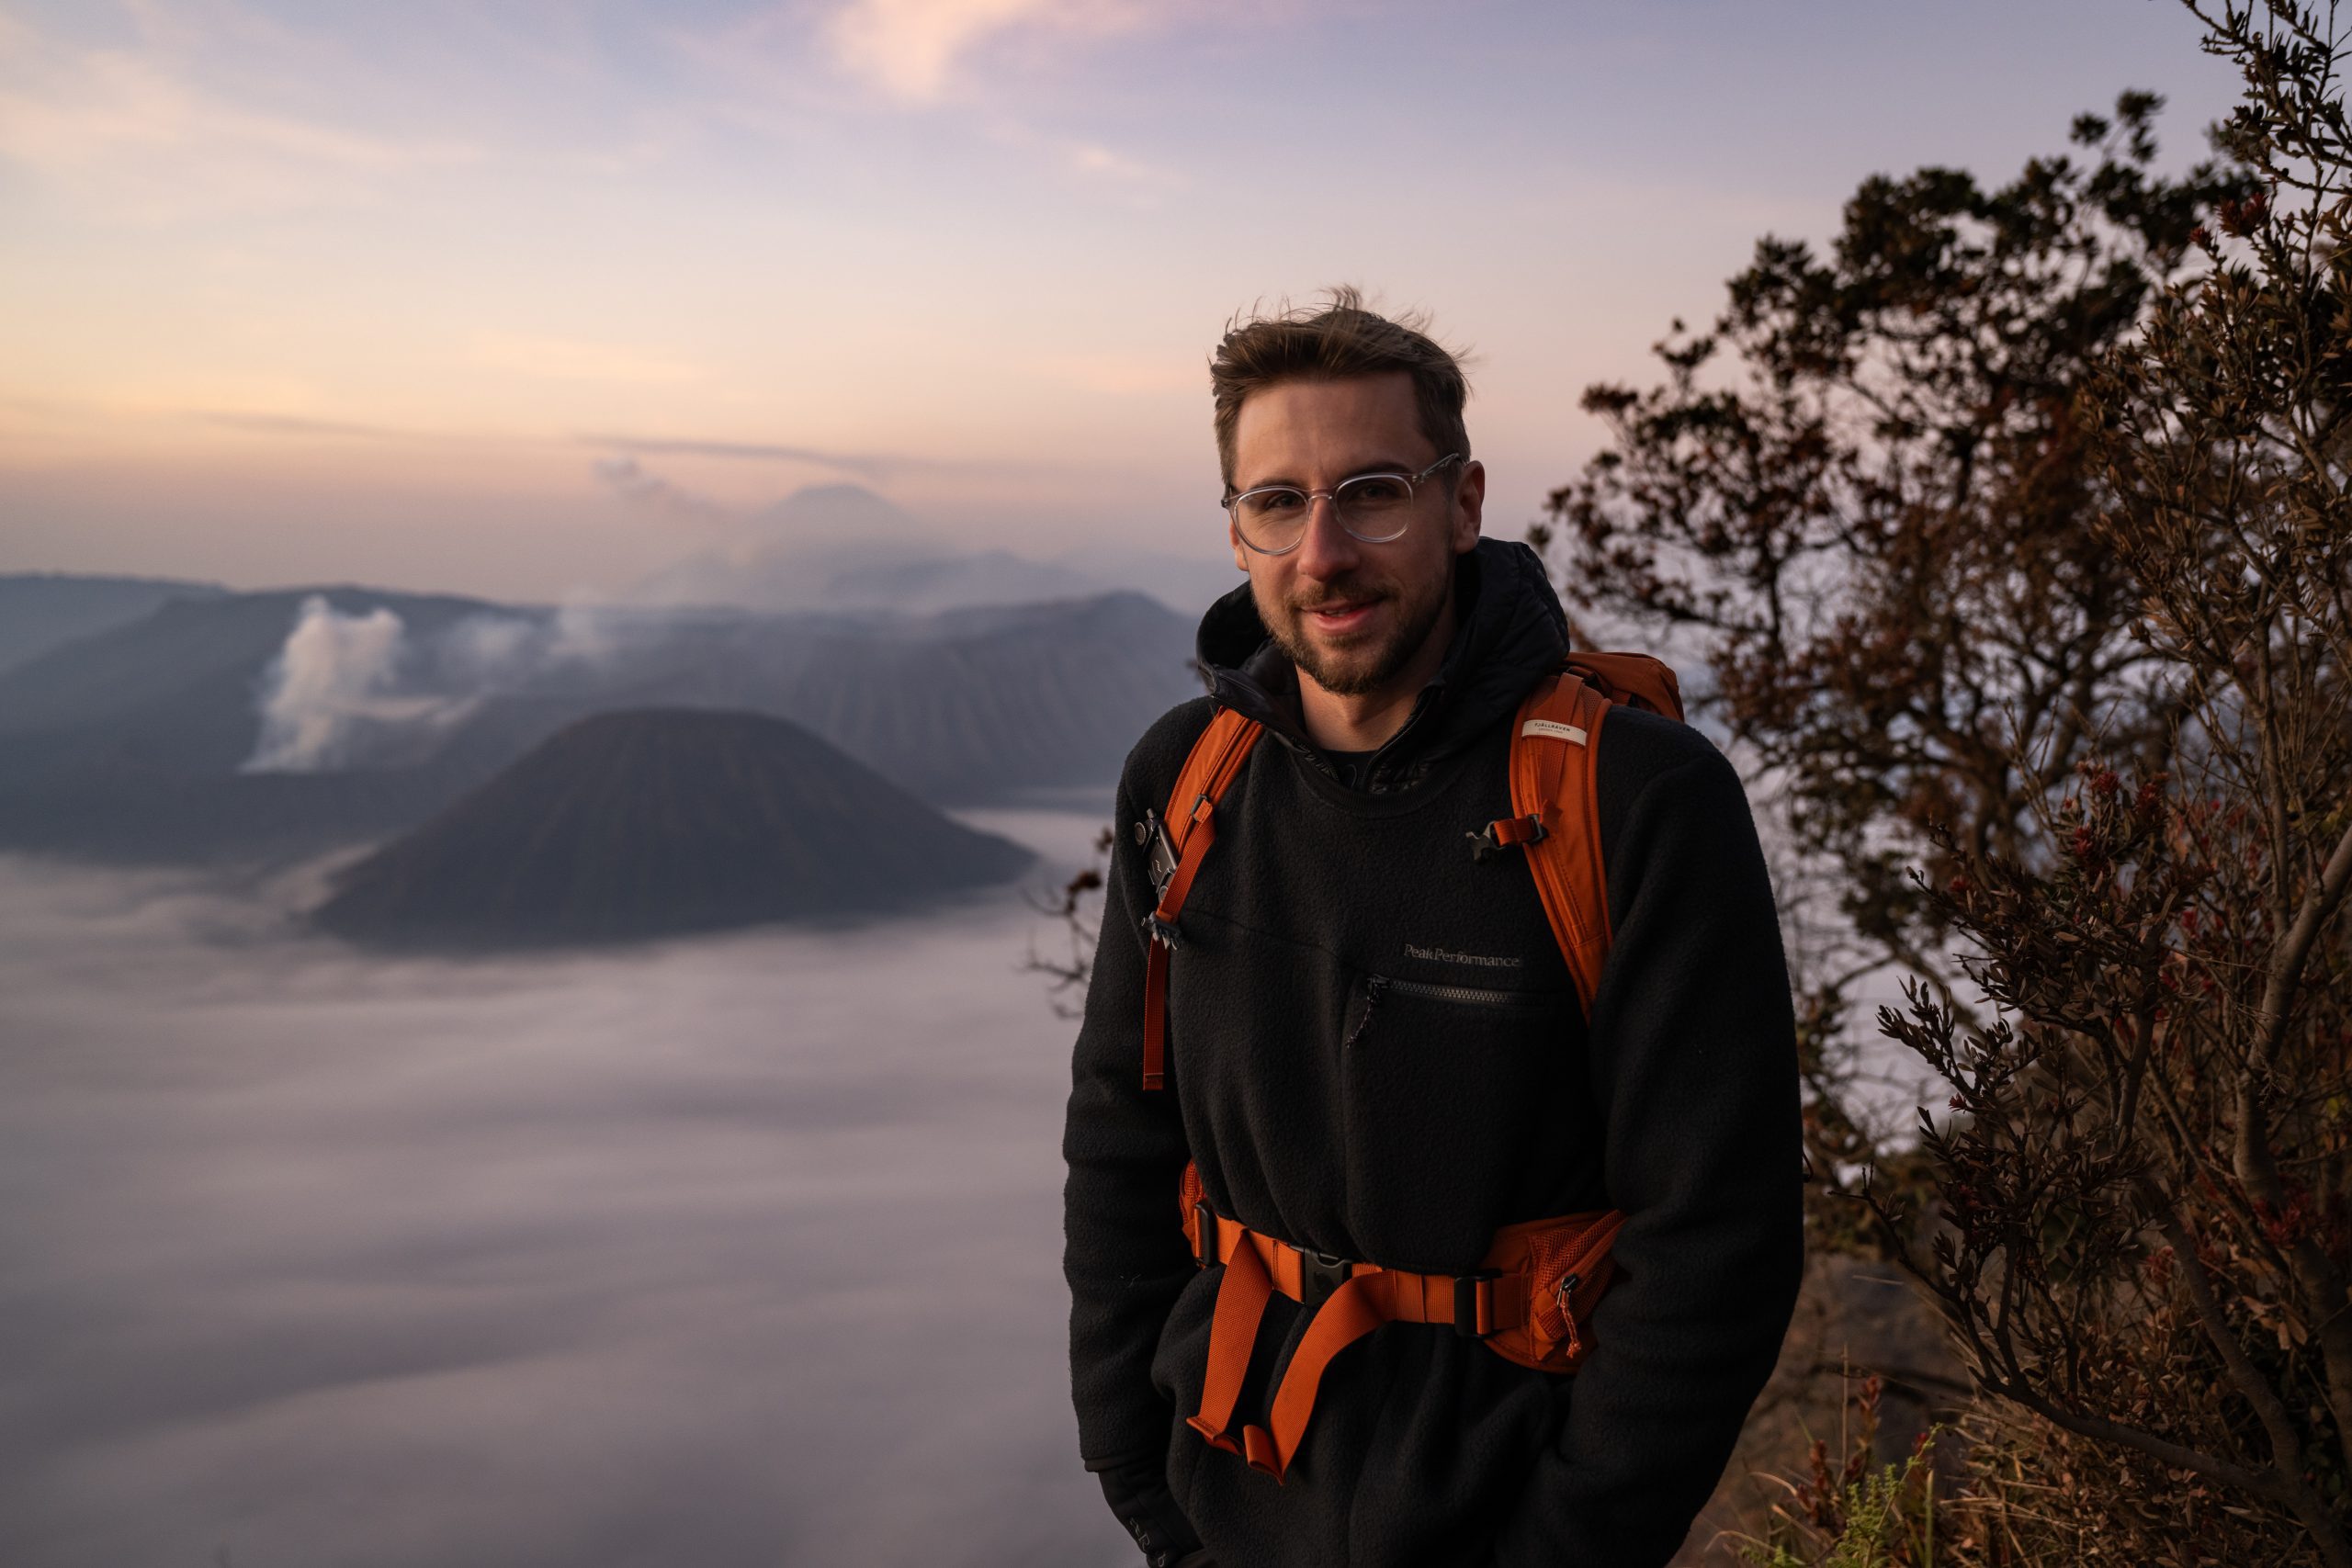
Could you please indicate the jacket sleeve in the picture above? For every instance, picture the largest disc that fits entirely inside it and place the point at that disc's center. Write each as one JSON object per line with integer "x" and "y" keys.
{"x": 1123, "y": 1252}
{"x": 1694, "y": 1069}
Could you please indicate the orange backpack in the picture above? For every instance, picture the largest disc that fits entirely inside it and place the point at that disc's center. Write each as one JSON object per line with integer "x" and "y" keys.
{"x": 1539, "y": 1280}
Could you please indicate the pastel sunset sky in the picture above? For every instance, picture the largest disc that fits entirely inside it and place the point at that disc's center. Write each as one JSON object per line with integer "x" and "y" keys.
{"x": 531, "y": 298}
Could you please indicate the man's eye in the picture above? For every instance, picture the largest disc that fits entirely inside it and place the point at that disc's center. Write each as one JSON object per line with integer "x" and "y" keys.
{"x": 1373, "y": 490}
{"x": 1265, "y": 500}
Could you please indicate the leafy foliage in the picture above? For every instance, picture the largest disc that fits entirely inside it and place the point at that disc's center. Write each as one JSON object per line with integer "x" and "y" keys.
{"x": 2015, "y": 535}
{"x": 1866, "y": 494}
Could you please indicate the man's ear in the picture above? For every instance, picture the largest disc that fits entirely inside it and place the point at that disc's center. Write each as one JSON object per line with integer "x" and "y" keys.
{"x": 1233, "y": 537}
{"x": 1469, "y": 506}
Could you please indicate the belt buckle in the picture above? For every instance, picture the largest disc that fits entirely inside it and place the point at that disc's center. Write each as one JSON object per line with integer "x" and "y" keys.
{"x": 1205, "y": 1236}
{"x": 1465, "y": 1303}
{"x": 1320, "y": 1273}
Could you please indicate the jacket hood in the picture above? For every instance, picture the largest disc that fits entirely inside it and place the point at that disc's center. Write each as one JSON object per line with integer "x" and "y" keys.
{"x": 1509, "y": 632}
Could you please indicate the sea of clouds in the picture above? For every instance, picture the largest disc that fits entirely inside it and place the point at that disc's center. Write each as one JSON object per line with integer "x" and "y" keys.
{"x": 736, "y": 1251}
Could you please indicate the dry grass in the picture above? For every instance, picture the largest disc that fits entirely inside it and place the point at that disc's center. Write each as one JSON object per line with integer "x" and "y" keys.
{"x": 1854, "y": 1318}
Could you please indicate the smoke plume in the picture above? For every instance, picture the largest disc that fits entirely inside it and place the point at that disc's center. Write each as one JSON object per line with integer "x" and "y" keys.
{"x": 348, "y": 689}
{"x": 335, "y": 681}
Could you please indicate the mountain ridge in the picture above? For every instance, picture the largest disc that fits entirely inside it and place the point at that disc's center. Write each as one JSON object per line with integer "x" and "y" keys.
{"x": 644, "y": 823}
{"x": 135, "y": 744}
{"x": 44, "y": 610}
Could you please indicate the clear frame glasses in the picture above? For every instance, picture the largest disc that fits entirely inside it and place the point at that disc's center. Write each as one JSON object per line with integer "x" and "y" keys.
{"x": 1375, "y": 508}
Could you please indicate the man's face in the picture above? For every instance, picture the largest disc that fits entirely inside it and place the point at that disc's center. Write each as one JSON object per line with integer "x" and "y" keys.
{"x": 1352, "y": 616}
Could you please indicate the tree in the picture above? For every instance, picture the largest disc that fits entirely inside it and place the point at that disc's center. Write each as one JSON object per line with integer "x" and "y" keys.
{"x": 2159, "y": 1126}
{"x": 1865, "y": 496}
{"x": 2022, "y": 559}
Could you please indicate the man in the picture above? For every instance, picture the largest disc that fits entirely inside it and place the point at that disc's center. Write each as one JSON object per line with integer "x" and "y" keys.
{"x": 1374, "y": 1051}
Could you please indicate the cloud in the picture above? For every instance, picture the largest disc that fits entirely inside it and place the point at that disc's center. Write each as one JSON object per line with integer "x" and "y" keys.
{"x": 1101, "y": 162}
{"x": 529, "y": 1261}
{"x": 864, "y": 465}
{"x": 296, "y": 424}
{"x": 911, "y": 47}
{"x": 1130, "y": 179}
{"x": 758, "y": 451}
{"x": 633, "y": 481}
{"x": 157, "y": 145}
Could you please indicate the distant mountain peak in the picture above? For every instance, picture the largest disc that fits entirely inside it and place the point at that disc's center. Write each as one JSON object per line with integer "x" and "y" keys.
{"x": 839, "y": 512}
{"x": 657, "y": 821}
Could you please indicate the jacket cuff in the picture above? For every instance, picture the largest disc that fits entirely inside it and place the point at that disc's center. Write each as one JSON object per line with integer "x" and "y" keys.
{"x": 1139, "y": 1499}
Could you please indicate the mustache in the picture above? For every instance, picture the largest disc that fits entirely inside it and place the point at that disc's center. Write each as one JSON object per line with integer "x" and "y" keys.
{"x": 1340, "y": 591}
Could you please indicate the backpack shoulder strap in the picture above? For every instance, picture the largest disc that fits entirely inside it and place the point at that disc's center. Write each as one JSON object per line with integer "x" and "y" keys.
{"x": 1178, "y": 841}
{"x": 1632, "y": 678}
{"x": 1557, "y": 823}
{"x": 1208, "y": 769}
{"x": 1555, "y": 737}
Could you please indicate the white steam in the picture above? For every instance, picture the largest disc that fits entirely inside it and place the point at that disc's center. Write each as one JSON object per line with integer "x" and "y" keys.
{"x": 334, "y": 682}
{"x": 350, "y": 688}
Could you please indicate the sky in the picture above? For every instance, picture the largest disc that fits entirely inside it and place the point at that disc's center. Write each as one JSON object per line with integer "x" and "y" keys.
{"x": 533, "y": 300}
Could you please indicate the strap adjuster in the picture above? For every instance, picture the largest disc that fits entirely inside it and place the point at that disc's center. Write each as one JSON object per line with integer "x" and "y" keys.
{"x": 1474, "y": 1302}
{"x": 1159, "y": 855}
{"x": 1319, "y": 1274}
{"x": 1205, "y": 1235}
{"x": 1496, "y": 836}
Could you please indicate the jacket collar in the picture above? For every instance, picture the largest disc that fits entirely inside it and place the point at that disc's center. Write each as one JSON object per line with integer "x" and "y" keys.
{"x": 1510, "y": 631}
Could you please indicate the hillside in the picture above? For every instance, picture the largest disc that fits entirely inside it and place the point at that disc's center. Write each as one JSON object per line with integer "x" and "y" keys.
{"x": 654, "y": 822}
{"x": 138, "y": 743}
{"x": 39, "y": 611}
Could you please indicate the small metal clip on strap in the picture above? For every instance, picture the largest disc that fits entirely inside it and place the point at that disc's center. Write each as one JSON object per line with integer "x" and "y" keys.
{"x": 1159, "y": 858}
{"x": 1495, "y": 836}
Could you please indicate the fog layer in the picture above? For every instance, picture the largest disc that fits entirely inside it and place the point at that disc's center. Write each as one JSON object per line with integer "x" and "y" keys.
{"x": 741, "y": 1251}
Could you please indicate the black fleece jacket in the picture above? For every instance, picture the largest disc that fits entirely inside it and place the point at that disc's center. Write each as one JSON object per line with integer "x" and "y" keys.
{"x": 1404, "y": 1127}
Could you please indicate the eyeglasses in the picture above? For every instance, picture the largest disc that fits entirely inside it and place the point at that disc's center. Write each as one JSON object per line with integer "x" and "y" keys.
{"x": 1375, "y": 508}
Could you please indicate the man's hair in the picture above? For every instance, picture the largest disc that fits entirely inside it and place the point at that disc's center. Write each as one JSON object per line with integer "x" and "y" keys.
{"x": 1339, "y": 340}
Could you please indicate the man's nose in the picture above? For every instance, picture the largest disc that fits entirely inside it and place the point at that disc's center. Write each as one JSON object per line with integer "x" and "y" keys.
{"x": 1327, "y": 550}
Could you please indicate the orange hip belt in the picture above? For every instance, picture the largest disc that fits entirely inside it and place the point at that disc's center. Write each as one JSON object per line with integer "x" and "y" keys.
{"x": 1528, "y": 1301}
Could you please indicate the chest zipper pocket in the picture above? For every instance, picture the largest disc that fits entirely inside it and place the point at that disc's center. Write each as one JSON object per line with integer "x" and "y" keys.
{"x": 1378, "y": 988}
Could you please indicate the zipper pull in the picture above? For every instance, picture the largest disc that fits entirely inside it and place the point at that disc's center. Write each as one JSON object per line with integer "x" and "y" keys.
{"x": 1564, "y": 1296}
{"x": 1375, "y": 988}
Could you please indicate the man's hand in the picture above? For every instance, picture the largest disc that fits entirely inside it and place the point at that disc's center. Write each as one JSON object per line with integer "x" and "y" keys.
{"x": 1139, "y": 1495}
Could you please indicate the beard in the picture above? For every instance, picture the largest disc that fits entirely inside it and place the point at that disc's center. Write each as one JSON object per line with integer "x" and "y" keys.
{"x": 1366, "y": 665}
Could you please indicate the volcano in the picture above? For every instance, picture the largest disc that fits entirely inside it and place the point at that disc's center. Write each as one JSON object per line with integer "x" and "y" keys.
{"x": 659, "y": 822}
